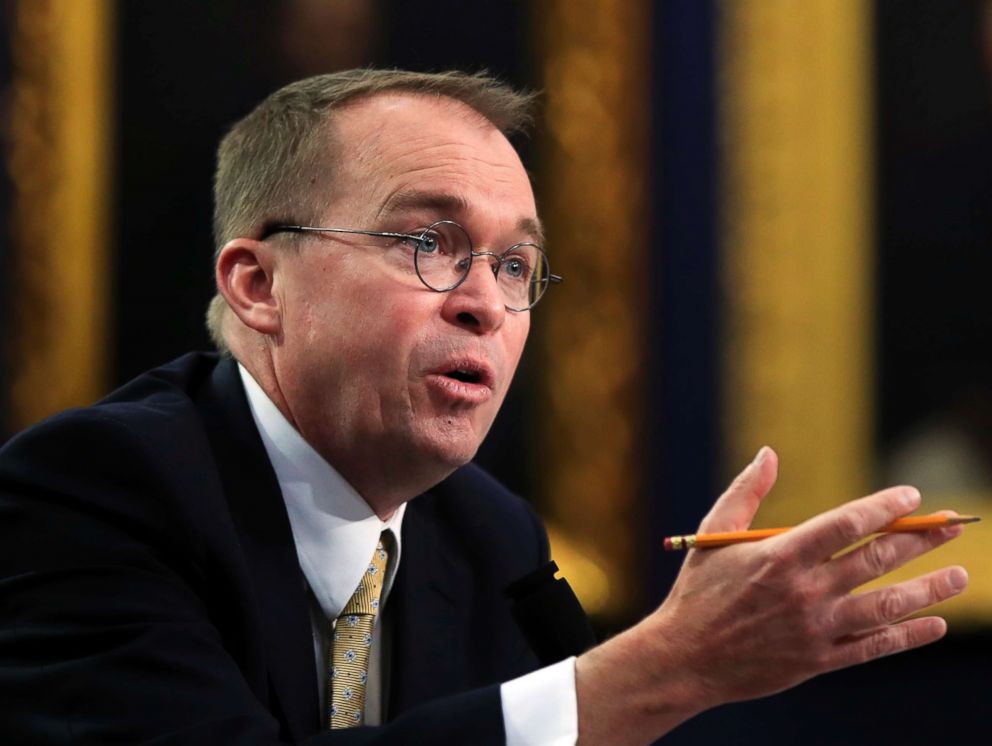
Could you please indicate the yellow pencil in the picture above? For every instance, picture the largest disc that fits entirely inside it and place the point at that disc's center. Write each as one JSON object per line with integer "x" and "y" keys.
{"x": 707, "y": 541}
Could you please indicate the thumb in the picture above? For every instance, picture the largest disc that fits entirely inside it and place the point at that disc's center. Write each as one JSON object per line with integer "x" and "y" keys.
{"x": 735, "y": 508}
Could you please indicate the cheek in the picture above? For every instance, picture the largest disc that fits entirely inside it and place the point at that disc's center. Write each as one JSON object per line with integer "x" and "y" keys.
{"x": 516, "y": 339}
{"x": 379, "y": 335}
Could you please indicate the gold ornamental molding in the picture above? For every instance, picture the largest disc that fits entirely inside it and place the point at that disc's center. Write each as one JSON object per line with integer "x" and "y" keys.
{"x": 798, "y": 198}
{"x": 594, "y": 57}
{"x": 59, "y": 165}
{"x": 797, "y": 245}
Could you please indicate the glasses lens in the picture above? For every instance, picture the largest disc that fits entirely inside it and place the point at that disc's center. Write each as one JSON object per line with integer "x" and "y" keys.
{"x": 443, "y": 255}
{"x": 523, "y": 276}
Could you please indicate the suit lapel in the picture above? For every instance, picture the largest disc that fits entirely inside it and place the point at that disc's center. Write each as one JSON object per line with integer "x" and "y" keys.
{"x": 267, "y": 541}
{"x": 428, "y": 615}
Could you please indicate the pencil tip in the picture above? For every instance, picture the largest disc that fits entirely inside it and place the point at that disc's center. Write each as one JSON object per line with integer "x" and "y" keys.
{"x": 965, "y": 519}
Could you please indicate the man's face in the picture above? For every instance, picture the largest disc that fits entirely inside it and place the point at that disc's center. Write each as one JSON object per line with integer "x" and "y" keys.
{"x": 369, "y": 360}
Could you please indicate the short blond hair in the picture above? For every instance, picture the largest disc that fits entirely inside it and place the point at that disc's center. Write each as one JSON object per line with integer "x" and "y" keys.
{"x": 274, "y": 165}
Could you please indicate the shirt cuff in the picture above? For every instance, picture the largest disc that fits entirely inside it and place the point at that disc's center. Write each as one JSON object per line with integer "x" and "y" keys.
{"x": 539, "y": 709}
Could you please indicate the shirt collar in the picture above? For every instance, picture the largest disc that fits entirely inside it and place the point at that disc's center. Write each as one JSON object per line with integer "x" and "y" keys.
{"x": 334, "y": 529}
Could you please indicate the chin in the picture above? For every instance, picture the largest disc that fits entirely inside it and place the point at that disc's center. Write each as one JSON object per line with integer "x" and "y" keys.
{"x": 451, "y": 444}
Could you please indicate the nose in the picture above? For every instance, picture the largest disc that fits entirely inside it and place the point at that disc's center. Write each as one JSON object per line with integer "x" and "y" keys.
{"x": 477, "y": 304}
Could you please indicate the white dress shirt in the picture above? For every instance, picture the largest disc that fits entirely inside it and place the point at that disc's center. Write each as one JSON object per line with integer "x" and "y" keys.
{"x": 335, "y": 532}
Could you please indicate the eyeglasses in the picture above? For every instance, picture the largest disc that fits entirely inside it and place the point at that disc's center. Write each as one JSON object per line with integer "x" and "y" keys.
{"x": 443, "y": 254}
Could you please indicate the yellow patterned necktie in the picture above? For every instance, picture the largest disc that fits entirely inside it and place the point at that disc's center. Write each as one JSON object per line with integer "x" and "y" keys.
{"x": 349, "y": 655}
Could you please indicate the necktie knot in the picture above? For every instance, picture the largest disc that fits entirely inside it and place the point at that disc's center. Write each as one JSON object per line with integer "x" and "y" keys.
{"x": 365, "y": 599}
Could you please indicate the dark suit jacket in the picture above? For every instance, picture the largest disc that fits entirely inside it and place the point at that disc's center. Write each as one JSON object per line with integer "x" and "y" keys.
{"x": 150, "y": 590}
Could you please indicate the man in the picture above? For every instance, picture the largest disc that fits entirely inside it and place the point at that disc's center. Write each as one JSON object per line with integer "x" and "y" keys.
{"x": 179, "y": 562}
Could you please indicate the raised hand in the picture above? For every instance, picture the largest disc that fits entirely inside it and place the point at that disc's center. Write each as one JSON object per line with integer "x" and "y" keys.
{"x": 751, "y": 619}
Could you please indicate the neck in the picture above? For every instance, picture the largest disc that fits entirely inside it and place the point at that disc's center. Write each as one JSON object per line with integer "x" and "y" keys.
{"x": 383, "y": 486}
{"x": 384, "y": 483}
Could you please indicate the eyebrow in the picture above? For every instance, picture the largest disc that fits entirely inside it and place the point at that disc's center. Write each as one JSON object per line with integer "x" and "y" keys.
{"x": 449, "y": 204}
{"x": 533, "y": 228}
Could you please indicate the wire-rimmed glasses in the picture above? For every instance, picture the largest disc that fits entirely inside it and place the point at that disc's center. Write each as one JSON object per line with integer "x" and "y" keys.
{"x": 443, "y": 254}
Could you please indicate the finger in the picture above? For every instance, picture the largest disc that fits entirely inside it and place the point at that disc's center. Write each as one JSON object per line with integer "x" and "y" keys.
{"x": 735, "y": 508}
{"x": 895, "y": 638}
{"x": 821, "y": 537}
{"x": 884, "y": 554}
{"x": 869, "y": 611}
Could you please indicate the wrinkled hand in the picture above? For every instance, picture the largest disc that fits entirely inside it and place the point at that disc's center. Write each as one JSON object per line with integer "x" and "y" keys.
{"x": 751, "y": 619}
{"x": 756, "y": 618}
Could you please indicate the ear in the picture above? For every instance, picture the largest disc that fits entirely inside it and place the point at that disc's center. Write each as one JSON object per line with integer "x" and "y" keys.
{"x": 244, "y": 276}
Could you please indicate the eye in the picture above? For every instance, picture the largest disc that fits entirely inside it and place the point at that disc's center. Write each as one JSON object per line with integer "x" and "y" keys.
{"x": 514, "y": 268}
{"x": 442, "y": 240}
{"x": 429, "y": 243}
{"x": 517, "y": 266}
{"x": 424, "y": 241}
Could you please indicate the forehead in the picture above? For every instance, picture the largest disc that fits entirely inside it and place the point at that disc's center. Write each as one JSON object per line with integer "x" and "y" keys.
{"x": 411, "y": 152}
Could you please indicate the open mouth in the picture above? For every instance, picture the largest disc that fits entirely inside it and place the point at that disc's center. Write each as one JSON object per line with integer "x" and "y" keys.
{"x": 467, "y": 371}
{"x": 462, "y": 381}
{"x": 465, "y": 375}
